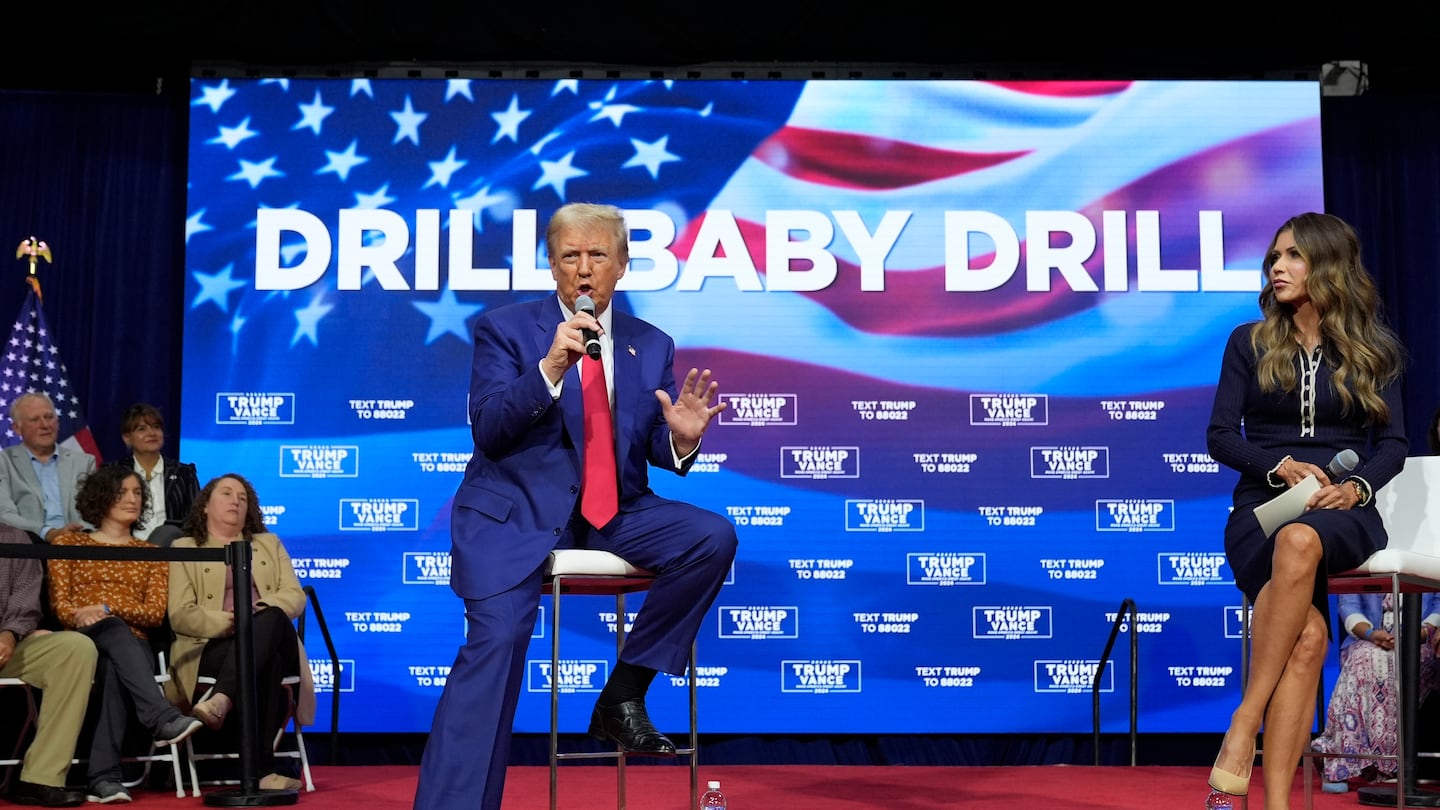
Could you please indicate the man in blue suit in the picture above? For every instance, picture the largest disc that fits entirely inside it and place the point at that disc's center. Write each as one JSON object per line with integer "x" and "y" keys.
{"x": 530, "y": 488}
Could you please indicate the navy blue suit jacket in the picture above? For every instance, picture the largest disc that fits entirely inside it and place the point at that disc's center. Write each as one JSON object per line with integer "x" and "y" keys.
{"x": 523, "y": 482}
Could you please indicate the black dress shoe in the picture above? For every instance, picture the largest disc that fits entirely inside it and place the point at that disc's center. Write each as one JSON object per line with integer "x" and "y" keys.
{"x": 45, "y": 795}
{"x": 629, "y": 726}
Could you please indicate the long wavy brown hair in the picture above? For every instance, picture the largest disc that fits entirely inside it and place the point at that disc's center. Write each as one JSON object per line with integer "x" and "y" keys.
{"x": 195, "y": 525}
{"x": 1363, "y": 352}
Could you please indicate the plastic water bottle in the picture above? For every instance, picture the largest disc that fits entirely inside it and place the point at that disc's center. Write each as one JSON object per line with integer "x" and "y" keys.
{"x": 713, "y": 798}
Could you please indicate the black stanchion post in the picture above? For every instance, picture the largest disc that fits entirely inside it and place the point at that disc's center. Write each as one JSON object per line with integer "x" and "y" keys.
{"x": 238, "y": 555}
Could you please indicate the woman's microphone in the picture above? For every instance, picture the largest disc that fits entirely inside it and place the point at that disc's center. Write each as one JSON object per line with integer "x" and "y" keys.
{"x": 1342, "y": 464}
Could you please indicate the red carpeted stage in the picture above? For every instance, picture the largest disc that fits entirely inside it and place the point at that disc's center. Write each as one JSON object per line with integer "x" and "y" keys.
{"x": 804, "y": 787}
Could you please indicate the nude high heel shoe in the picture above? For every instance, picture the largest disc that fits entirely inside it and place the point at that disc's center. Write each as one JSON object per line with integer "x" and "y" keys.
{"x": 1225, "y": 786}
{"x": 275, "y": 781}
{"x": 213, "y": 709}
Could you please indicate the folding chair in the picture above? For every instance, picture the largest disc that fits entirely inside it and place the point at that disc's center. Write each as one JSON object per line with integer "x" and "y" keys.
{"x": 290, "y": 684}
{"x": 26, "y": 725}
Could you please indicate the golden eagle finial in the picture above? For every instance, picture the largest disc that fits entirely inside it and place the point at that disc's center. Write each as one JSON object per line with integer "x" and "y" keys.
{"x": 36, "y": 250}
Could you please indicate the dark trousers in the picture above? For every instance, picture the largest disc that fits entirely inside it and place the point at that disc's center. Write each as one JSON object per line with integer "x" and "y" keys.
{"x": 277, "y": 655}
{"x": 468, "y": 749}
{"x": 125, "y": 675}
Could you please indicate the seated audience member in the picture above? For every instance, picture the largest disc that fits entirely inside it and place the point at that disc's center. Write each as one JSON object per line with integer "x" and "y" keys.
{"x": 115, "y": 602}
{"x": 38, "y": 477}
{"x": 173, "y": 484}
{"x": 1361, "y": 718}
{"x": 61, "y": 665}
{"x": 202, "y": 614}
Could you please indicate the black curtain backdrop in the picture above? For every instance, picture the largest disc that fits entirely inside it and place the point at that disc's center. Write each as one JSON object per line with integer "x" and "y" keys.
{"x": 1382, "y": 175}
{"x": 101, "y": 178}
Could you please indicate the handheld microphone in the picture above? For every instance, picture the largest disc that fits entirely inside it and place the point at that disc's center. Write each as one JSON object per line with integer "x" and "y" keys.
{"x": 1342, "y": 465}
{"x": 586, "y": 304}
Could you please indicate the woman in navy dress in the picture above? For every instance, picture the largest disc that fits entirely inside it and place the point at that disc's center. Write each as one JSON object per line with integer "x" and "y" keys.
{"x": 1320, "y": 373}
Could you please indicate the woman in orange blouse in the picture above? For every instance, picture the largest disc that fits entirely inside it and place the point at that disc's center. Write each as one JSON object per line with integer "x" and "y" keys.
{"x": 115, "y": 602}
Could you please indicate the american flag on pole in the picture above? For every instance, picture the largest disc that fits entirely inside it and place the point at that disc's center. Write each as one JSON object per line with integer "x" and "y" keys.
{"x": 32, "y": 363}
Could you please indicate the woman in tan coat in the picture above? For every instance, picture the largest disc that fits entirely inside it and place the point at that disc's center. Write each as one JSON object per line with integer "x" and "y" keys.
{"x": 202, "y": 614}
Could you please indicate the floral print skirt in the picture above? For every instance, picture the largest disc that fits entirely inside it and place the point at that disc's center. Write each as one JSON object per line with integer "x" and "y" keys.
{"x": 1363, "y": 708}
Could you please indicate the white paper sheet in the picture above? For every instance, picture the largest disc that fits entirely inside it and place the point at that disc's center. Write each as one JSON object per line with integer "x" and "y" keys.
{"x": 1287, "y": 505}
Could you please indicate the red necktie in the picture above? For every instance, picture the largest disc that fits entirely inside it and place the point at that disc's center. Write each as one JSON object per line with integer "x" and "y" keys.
{"x": 599, "y": 497}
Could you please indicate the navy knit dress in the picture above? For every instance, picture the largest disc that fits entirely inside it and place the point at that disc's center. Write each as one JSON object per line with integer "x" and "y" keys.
{"x": 1251, "y": 431}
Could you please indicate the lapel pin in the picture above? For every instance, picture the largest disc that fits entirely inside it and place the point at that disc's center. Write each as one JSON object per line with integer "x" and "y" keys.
{"x": 631, "y": 349}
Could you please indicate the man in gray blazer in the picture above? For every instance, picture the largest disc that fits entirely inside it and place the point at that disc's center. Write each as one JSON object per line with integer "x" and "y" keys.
{"x": 39, "y": 478}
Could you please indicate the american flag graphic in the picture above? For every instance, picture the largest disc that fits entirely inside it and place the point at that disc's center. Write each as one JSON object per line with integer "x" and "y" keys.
{"x": 32, "y": 363}
{"x": 745, "y": 148}
{"x": 403, "y": 146}
{"x": 878, "y": 368}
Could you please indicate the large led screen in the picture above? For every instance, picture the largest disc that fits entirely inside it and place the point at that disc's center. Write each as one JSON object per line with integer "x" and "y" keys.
{"x": 968, "y": 332}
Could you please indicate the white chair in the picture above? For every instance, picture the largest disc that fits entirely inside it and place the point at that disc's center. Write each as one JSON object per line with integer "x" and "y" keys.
{"x": 26, "y": 725}
{"x": 1409, "y": 564}
{"x": 290, "y": 684}
{"x": 600, "y": 573}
